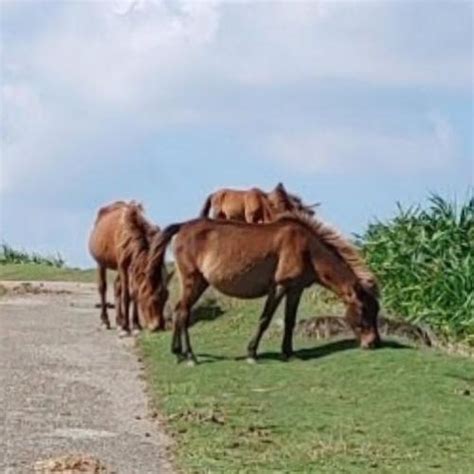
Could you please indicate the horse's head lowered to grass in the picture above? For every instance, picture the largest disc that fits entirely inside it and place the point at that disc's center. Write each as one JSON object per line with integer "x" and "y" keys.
{"x": 362, "y": 314}
{"x": 149, "y": 289}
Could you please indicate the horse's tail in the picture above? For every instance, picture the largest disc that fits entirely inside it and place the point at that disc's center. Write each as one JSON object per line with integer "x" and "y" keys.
{"x": 158, "y": 248}
{"x": 207, "y": 206}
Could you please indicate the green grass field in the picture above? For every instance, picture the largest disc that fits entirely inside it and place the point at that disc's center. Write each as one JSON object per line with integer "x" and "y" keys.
{"x": 334, "y": 409}
{"x": 37, "y": 272}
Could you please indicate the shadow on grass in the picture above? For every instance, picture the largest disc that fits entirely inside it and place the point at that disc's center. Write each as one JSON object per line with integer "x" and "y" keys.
{"x": 330, "y": 348}
{"x": 208, "y": 310}
{"x": 317, "y": 352}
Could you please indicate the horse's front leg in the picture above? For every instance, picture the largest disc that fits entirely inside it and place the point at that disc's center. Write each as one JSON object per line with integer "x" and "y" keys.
{"x": 118, "y": 301}
{"x": 273, "y": 300}
{"x": 291, "y": 308}
{"x": 102, "y": 284}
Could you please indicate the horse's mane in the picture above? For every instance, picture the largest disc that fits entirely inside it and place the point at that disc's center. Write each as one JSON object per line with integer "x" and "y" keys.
{"x": 295, "y": 198}
{"x": 339, "y": 245}
{"x": 280, "y": 198}
{"x": 135, "y": 243}
{"x": 137, "y": 232}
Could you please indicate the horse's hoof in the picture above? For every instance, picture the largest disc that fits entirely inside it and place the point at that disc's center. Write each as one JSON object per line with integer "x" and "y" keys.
{"x": 251, "y": 360}
{"x": 123, "y": 333}
{"x": 104, "y": 325}
{"x": 136, "y": 332}
{"x": 287, "y": 357}
{"x": 191, "y": 363}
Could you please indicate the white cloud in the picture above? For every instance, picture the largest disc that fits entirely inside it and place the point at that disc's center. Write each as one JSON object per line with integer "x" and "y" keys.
{"x": 117, "y": 59}
{"x": 25, "y": 122}
{"x": 144, "y": 64}
{"x": 358, "y": 151}
{"x": 98, "y": 65}
{"x": 86, "y": 85}
{"x": 375, "y": 42}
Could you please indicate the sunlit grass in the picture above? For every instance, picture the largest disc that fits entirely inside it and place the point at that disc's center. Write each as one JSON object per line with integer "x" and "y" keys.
{"x": 334, "y": 409}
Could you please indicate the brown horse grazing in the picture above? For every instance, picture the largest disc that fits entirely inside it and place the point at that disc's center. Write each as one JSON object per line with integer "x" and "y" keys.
{"x": 103, "y": 246}
{"x": 148, "y": 294}
{"x": 119, "y": 241}
{"x": 253, "y": 205}
{"x": 277, "y": 259}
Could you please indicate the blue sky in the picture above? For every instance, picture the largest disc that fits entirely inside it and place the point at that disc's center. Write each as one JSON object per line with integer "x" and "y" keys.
{"x": 354, "y": 104}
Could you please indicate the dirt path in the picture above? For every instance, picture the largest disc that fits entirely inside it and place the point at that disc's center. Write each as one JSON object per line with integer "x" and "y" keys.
{"x": 68, "y": 387}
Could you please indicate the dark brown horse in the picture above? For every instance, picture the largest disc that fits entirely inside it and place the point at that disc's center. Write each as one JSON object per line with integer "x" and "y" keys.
{"x": 279, "y": 260}
{"x": 253, "y": 205}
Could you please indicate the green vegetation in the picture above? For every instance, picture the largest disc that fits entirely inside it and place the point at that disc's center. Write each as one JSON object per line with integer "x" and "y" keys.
{"x": 31, "y": 266}
{"x": 37, "y": 272}
{"x": 9, "y": 255}
{"x": 425, "y": 261}
{"x": 335, "y": 408}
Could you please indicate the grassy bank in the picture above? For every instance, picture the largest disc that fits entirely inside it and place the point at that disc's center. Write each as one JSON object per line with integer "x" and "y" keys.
{"x": 334, "y": 409}
{"x": 38, "y": 271}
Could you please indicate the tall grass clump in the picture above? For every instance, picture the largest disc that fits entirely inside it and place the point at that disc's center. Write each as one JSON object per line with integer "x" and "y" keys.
{"x": 10, "y": 255}
{"x": 424, "y": 259}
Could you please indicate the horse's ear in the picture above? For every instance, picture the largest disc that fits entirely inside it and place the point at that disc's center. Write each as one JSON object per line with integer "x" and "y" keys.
{"x": 137, "y": 204}
{"x": 280, "y": 187}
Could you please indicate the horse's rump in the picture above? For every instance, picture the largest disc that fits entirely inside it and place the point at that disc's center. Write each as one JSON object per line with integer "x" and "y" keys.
{"x": 253, "y": 205}
{"x": 105, "y": 235}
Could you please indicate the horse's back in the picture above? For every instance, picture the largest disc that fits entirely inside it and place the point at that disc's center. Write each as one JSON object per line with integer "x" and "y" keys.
{"x": 238, "y": 259}
{"x": 229, "y": 203}
{"x": 239, "y": 204}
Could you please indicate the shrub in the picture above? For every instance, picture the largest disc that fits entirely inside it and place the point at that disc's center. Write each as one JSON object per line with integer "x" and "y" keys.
{"x": 10, "y": 255}
{"x": 424, "y": 259}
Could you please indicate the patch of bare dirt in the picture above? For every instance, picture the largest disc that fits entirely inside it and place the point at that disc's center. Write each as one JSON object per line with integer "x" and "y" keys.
{"x": 210, "y": 416}
{"x": 327, "y": 327}
{"x": 27, "y": 288}
{"x": 72, "y": 464}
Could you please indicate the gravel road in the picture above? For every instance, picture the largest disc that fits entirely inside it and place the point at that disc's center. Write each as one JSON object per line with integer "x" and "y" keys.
{"x": 68, "y": 387}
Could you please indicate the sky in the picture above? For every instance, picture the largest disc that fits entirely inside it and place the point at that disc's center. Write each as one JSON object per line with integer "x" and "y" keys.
{"x": 356, "y": 104}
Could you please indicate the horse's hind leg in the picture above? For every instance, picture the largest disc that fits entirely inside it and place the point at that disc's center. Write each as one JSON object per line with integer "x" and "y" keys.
{"x": 192, "y": 288}
{"x": 292, "y": 302}
{"x": 118, "y": 302}
{"x": 136, "y": 327}
{"x": 102, "y": 285}
{"x": 273, "y": 300}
